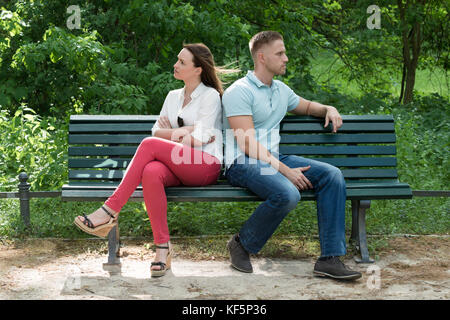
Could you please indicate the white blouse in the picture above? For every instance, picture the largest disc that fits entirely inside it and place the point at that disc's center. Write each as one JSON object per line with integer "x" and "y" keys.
{"x": 204, "y": 112}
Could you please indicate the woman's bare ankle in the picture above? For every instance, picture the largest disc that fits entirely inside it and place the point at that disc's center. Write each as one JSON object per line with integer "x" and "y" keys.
{"x": 113, "y": 212}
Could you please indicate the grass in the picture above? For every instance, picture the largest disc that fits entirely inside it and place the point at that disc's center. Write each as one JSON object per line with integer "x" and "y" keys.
{"x": 54, "y": 218}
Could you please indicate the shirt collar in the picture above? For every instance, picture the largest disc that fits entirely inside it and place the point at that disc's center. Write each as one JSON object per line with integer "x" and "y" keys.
{"x": 251, "y": 76}
{"x": 197, "y": 91}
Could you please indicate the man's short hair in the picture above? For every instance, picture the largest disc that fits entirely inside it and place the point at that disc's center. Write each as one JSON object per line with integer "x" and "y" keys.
{"x": 262, "y": 38}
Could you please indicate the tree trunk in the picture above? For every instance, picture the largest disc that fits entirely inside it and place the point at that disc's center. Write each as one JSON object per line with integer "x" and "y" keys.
{"x": 411, "y": 52}
{"x": 402, "y": 89}
{"x": 416, "y": 41}
{"x": 410, "y": 81}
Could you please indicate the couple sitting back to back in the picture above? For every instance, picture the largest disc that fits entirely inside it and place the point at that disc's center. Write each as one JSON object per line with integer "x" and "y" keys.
{"x": 189, "y": 127}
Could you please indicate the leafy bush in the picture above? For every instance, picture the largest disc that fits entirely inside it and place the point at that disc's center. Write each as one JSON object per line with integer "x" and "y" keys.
{"x": 423, "y": 143}
{"x": 35, "y": 145}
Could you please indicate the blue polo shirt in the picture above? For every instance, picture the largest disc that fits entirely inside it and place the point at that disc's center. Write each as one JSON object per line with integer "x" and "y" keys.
{"x": 267, "y": 105}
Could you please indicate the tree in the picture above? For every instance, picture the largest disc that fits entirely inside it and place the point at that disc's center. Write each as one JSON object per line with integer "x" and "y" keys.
{"x": 419, "y": 20}
{"x": 412, "y": 33}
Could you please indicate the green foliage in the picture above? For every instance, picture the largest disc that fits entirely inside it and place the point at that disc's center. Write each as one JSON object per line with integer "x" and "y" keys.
{"x": 121, "y": 59}
{"x": 423, "y": 145}
{"x": 31, "y": 144}
{"x": 60, "y": 67}
{"x": 10, "y": 26}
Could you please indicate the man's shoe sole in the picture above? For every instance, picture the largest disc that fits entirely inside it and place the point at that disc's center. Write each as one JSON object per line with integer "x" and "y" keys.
{"x": 349, "y": 277}
{"x": 242, "y": 270}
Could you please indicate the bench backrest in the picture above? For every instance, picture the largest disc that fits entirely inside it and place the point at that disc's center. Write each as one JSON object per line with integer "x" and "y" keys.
{"x": 101, "y": 147}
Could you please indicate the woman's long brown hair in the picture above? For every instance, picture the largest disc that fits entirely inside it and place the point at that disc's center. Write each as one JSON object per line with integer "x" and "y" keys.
{"x": 203, "y": 58}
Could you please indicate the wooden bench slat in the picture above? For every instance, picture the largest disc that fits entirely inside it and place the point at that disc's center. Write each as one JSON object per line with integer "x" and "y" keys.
{"x": 241, "y": 194}
{"x": 346, "y": 127}
{"x": 85, "y": 118}
{"x": 107, "y": 139}
{"x": 110, "y": 127}
{"x": 112, "y": 185}
{"x": 345, "y": 118}
{"x": 103, "y": 174}
{"x": 285, "y": 149}
{"x": 189, "y": 195}
{"x": 289, "y": 118}
{"x": 100, "y": 163}
{"x": 360, "y": 161}
{"x": 376, "y": 193}
{"x": 338, "y": 138}
{"x": 339, "y": 162}
{"x": 102, "y": 151}
{"x": 285, "y": 127}
{"x": 337, "y": 150}
{"x": 294, "y": 138}
{"x": 369, "y": 173}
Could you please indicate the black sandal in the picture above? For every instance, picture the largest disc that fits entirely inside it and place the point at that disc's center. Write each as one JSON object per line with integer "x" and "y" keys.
{"x": 101, "y": 230}
{"x": 163, "y": 266}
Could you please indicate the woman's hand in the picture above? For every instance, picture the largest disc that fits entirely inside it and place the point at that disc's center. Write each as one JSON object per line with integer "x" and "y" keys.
{"x": 164, "y": 123}
{"x": 190, "y": 141}
{"x": 179, "y": 133}
{"x": 211, "y": 140}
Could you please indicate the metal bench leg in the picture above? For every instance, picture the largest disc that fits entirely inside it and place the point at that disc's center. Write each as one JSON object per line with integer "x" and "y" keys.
{"x": 113, "y": 264}
{"x": 354, "y": 236}
{"x": 24, "y": 196}
{"x": 359, "y": 208}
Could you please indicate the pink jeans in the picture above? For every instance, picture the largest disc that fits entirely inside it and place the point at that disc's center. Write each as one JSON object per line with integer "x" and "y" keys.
{"x": 160, "y": 163}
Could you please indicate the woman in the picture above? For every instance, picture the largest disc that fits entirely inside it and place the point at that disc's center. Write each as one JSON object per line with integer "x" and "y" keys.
{"x": 186, "y": 148}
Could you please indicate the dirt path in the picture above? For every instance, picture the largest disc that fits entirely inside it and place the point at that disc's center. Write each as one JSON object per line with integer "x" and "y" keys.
{"x": 410, "y": 268}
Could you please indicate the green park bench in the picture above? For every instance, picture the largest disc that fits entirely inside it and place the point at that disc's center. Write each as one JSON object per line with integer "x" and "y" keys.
{"x": 101, "y": 147}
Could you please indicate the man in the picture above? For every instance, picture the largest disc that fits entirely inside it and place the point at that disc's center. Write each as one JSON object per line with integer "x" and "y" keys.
{"x": 253, "y": 109}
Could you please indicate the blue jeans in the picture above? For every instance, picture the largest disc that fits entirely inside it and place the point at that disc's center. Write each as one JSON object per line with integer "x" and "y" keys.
{"x": 281, "y": 196}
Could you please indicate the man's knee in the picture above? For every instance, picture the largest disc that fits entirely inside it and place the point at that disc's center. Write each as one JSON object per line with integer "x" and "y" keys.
{"x": 334, "y": 175}
{"x": 287, "y": 198}
{"x": 337, "y": 176}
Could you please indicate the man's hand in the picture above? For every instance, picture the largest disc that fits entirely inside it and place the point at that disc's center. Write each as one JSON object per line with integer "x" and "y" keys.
{"x": 335, "y": 118}
{"x": 296, "y": 176}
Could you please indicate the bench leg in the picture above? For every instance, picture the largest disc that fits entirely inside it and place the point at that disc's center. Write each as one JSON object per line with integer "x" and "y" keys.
{"x": 358, "y": 236}
{"x": 113, "y": 264}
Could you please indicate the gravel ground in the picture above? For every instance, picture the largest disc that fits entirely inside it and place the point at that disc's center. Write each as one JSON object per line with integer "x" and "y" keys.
{"x": 409, "y": 268}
